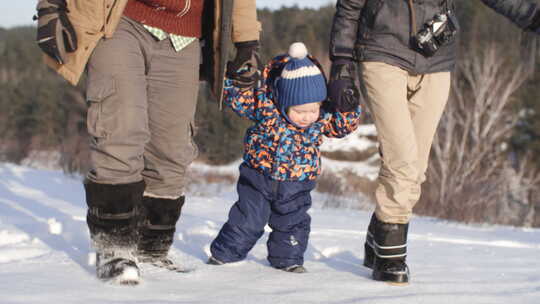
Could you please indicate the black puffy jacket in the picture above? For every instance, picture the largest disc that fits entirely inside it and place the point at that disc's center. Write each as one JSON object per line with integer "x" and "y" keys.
{"x": 381, "y": 30}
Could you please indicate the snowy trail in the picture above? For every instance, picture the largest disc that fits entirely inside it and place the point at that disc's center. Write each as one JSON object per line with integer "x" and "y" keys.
{"x": 44, "y": 256}
{"x": 47, "y": 217}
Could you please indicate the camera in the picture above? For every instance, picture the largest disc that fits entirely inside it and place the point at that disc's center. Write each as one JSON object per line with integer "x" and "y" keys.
{"x": 436, "y": 32}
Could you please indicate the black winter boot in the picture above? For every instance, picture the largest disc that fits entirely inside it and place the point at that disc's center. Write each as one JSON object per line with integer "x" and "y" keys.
{"x": 386, "y": 251}
{"x": 112, "y": 220}
{"x": 295, "y": 269}
{"x": 157, "y": 223}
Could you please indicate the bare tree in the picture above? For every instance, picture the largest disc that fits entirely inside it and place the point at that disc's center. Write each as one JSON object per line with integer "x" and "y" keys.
{"x": 470, "y": 172}
{"x": 522, "y": 205}
{"x": 74, "y": 147}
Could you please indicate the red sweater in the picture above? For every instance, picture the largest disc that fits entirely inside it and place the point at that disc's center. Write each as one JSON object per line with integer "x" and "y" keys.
{"x": 180, "y": 17}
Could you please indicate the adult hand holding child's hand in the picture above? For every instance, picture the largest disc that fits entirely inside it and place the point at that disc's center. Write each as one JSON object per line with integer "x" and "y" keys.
{"x": 246, "y": 67}
{"x": 343, "y": 94}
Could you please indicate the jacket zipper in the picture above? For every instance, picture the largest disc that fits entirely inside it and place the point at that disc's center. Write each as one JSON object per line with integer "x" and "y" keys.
{"x": 275, "y": 163}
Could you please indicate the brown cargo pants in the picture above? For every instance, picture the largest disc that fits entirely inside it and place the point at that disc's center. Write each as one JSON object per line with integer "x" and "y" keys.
{"x": 406, "y": 110}
{"x": 142, "y": 97}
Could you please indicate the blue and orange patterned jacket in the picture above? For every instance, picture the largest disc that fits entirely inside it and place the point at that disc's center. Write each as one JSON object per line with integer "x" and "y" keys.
{"x": 273, "y": 145}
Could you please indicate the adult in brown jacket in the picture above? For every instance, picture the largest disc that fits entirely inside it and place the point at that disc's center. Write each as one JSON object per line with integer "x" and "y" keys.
{"x": 142, "y": 60}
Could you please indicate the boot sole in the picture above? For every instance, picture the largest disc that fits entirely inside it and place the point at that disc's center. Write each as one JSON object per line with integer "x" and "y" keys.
{"x": 397, "y": 284}
{"x": 297, "y": 269}
{"x": 122, "y": 281}
{"x": 128, "y": 283}
{"x": 130, "y": 277}
{"x": 390, "y": 278}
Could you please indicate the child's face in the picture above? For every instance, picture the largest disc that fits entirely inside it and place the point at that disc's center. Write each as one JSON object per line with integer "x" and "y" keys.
{"x": 304, "y": 115}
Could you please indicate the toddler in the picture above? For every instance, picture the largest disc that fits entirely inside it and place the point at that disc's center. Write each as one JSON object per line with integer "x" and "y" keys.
{"x": 281, "y": 158}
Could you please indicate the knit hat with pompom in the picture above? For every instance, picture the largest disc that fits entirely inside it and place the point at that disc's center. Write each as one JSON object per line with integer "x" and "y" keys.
{"x": 301, "y": 80}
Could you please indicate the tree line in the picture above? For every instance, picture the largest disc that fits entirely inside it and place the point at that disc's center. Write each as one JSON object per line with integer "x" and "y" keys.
{"x": 40, "y": 111}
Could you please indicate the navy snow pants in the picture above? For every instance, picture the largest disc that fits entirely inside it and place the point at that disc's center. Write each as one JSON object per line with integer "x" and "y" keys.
{"x": 281, "y": 204}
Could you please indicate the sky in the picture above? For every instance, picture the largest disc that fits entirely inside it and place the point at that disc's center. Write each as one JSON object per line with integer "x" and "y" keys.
{"x": 20, "y": 12}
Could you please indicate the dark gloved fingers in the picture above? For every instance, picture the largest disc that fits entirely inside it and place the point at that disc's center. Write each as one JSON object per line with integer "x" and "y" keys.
{"x": 343, "y": 94}
{"x": 55, "y": 34}
{"x": 245, "y": 69}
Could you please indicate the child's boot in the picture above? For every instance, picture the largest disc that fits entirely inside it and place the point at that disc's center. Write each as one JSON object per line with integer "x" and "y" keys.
{"x": 295, "y": 269}
{"x": 213, "y": 261}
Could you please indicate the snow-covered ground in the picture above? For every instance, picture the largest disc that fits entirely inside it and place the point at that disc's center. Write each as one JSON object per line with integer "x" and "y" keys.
{"x": 357, "y": 141}
{"x": 45, "y": 256}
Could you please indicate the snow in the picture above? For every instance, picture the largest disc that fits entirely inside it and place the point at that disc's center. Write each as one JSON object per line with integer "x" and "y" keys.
{"x": 356, "y": 141}
{"x": 45, "y": 256}
{"x": 55, "y": 227}
{"x": 359, "y": 169}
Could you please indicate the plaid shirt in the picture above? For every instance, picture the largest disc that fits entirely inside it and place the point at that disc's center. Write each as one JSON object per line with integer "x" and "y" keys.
{"x": 178, "y": 42}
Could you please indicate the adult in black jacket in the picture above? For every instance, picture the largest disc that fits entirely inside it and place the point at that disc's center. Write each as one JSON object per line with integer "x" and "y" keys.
{"x": 406, "y": 75}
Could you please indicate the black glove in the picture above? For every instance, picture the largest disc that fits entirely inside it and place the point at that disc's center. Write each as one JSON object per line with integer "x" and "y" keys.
{"x": 55, "y": 34}
{"x": 343, "y": 95}
{"x": 245, "y": 69}
{"x": 535, "y": 24}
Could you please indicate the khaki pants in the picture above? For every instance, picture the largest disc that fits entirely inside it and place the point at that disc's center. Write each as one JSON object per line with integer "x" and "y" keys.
{"x": 142, "y": 97}
{"x": 406, "y": 110}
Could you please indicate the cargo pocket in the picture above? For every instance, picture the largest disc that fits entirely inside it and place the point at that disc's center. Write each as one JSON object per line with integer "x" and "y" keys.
{"x": 98, "y": 90}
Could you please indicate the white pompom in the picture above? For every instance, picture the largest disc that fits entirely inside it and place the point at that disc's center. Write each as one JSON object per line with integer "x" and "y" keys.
{"x": 298, "y": 50}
